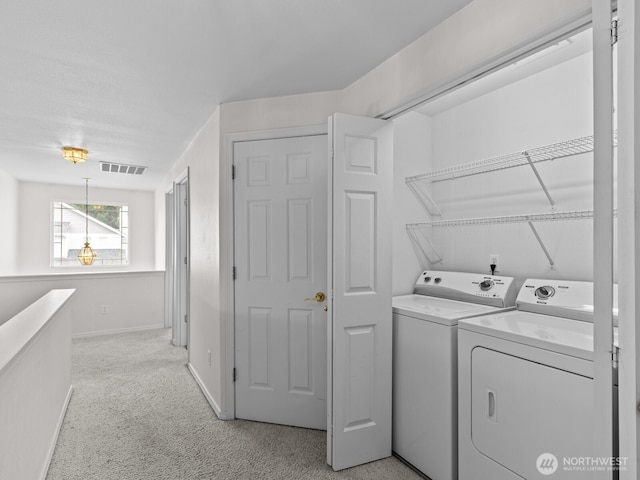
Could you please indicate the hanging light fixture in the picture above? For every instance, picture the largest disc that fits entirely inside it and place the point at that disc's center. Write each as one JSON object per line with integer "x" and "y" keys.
{"x": 86, "y": 255}
{"x": 74, "y": 154}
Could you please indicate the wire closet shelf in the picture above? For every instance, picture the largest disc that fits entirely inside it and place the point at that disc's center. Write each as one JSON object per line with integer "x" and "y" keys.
{"x": 525, "y": 218}
{"x": 553, "y": 151}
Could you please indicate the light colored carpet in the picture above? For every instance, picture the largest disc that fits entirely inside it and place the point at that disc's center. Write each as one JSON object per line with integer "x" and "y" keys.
{"x": 136, "y": 413}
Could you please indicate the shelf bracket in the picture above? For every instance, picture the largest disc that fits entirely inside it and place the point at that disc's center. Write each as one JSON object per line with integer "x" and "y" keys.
{"x": 423, "y": 248}
{"x": 544, "y": 249}
{"x": 535, "y": 171}
{"x": 424, "y": 198}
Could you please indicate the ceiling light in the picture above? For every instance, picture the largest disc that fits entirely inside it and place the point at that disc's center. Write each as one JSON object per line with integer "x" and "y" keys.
{"x": 86, "y": 255}
{"x": 74, "y": 154}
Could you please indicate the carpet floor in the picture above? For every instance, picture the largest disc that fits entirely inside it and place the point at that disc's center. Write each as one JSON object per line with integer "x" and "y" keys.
{"x": 137, "y": 414}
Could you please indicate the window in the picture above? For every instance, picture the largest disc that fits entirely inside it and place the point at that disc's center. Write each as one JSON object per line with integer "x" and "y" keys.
{"x": 108, "y": 227}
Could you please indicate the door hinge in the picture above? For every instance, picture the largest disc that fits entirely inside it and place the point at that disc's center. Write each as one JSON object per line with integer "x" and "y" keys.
{"x": 185, "y": 202}
{"x": 233, "y": 273}
{"x": 614, "y": 32}
{"x": 615, "y": 356}
{"x": 234, "y": 374}
{"x": 233, "y": 172}
{"x": 185, "y": 319}
{"x": 185, "y": 260}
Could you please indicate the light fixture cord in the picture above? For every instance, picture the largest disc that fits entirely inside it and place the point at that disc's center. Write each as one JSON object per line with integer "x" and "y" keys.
{"x": 86, "y": 211}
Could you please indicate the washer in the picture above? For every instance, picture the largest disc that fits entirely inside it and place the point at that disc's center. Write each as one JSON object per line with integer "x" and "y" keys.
{"x": 526, "y": 385}
{"x": 425, "y": 362}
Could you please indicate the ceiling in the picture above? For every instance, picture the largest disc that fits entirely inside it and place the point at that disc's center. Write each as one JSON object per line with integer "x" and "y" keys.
{"x": 133, "y": 82}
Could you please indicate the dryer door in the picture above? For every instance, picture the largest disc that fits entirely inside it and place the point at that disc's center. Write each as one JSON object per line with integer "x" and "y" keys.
{"x": 521, "y": 410}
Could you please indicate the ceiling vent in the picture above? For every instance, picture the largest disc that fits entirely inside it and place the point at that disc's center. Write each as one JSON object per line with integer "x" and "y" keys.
{"x": 122, "y": 168}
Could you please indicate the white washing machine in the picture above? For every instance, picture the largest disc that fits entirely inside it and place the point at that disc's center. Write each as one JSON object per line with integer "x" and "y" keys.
{"x": 425, "y": 363}
{"x": 526, "y": 385}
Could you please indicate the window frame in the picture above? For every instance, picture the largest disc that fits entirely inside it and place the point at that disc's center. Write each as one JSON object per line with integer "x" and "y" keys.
{"x": 57, "y": 243}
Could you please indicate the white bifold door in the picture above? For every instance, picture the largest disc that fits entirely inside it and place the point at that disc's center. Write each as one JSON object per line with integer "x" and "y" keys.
{"x": 360, "y": 318}
{"x": 313, "y": 285}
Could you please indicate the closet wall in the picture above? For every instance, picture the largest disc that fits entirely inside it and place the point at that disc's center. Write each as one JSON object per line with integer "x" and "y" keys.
{"x": 551, "y": 106}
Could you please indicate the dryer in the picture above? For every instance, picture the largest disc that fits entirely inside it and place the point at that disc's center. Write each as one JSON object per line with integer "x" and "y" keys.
{"x": 425, "y": 362}
{"x": 526, "y": 385}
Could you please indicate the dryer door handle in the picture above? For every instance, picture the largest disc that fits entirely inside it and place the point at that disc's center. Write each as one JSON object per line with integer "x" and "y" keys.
{"x": 492, "y": 413}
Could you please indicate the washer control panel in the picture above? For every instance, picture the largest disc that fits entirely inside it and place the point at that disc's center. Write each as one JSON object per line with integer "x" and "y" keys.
{"x": 562, "y": 298}
{"x": 470, "y": 287}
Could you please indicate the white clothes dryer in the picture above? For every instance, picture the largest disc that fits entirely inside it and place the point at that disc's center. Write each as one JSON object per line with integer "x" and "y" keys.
{"x": 526, "y": 385}
{"x": 425, "y": 362}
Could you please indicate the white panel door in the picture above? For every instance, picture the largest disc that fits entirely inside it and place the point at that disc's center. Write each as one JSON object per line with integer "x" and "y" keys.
{"x": 280, "y": 198}
{"x": 359, "y": 407}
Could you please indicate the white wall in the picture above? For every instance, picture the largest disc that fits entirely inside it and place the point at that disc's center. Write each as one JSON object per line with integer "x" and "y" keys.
{"x": 35, "y": 385}
{"x": 9, "y": 216}
{"x": 412, "y": 155}
{"x": 134, "y": 300}
{"x": 551, "y": 106}
{"x": 34, "y": 225}
{"x": 202, "y": 158}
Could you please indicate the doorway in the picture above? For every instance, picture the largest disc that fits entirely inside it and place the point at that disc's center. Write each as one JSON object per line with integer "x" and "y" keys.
{"x": 177, "y": 261}
{"x": 357, "y": 285}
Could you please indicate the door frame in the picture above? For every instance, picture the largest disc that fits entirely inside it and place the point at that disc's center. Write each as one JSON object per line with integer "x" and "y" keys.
{"x": 230, "y": 139}
{"x": 168, "y": 258}
{"x": 180, "y": 287}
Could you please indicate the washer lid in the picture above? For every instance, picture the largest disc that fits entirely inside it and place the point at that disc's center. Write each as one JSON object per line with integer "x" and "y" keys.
{"x": 439, "y": 310}
{"x": 562, "y": 335}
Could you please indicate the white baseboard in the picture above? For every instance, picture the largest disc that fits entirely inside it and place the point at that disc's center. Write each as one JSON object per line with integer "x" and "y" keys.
{"x": 119, "y": 330}
{"x": 216, "y": 409}
{"x": 54, "y": 441}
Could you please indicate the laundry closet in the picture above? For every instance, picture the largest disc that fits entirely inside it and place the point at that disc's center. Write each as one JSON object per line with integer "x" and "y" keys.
{"x": 496, "y": 177}
{"x": 454, "y": 161}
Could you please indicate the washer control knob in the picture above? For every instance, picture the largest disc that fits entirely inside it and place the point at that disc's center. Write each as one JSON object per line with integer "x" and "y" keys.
{"x": 427, "y": 279}
{"x": 486, "y": 285}
{"x": 545, "y": 292}
{"x": 437, "y": 280}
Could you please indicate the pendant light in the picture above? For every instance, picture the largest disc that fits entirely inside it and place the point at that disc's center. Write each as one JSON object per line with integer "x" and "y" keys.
{"x": 86, "y": 255}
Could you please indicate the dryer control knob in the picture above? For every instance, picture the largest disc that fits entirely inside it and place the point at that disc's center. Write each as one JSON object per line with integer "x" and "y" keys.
{"x": 437, "y": 280}
{"x": 545, "y": 292}
{"x": 486, "y": 285}
{"x": 427, "y": 279}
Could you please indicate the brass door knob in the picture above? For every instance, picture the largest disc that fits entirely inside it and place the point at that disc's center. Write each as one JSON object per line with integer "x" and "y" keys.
{"x": 319, "y": 297}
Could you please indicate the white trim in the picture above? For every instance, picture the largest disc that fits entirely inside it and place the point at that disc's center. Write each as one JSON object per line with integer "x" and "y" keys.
{"x": 54, "y": 440}
{"x": 83, "y": 275}
{"x": 603, "y": 440}
{"x": 525, "y": 48}
{"x": 182, "y": 177}
{"x": 229, "y": 140}
{"x": 629, "y": 234}
{"x": 222, "y": 415}
{"x": 117, "y": 330}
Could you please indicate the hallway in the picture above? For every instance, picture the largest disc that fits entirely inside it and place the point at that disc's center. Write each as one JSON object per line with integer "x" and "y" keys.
{"x": 136, "y": 413}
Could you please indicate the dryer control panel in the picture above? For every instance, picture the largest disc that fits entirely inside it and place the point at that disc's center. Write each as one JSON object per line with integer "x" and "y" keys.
{"x": 467, "y": 287}
{"x": 561, "y": 298}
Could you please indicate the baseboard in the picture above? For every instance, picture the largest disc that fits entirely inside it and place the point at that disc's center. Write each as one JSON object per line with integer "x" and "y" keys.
{"x": 119, "y": 330}
{"x": 216, "y": 409}
{"x": 54, "y": 441}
